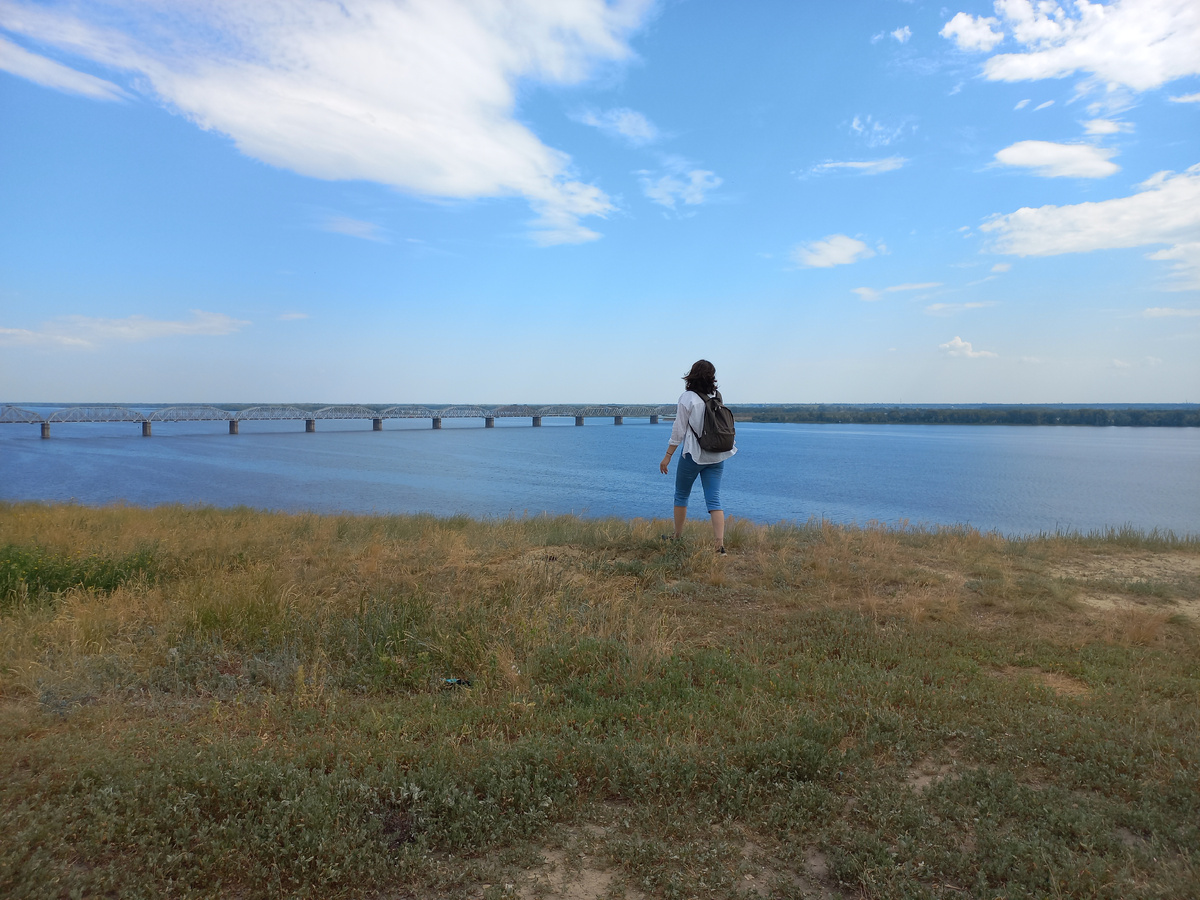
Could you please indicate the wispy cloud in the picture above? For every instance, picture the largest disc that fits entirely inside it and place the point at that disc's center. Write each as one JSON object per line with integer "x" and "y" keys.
{"x": 84, "y": 331}
{"x": 948, "y": 309}
{"x": 1052, "y": 160}
{"x": 902, "y": 34}
{"x": 1021, "y": 104}
{"x": 1106, "y": 126}
{"x": 1135, "y": 44}
{"x": 680, "y": 184}
{"x": 1166, "y": 210}
{"x": 1001, "y": 267}
{"x": 418, "y": 96}
{"x": 878, "y": 134}
{"x": 861, "y": 167}
{"x": 18, "y": 61}
{"x": 356, "y": 228}
{"x": 627, "y": 124}
{"x": 1186, "y": 98}
{"x": 873, "y": 294}
{"x": 14, "y": 337}
{"x": 833, "y": 250}
{"x": 959, "y": 347}
{"x": 1163, "y": 312}
{"x": 1045, "y": 105}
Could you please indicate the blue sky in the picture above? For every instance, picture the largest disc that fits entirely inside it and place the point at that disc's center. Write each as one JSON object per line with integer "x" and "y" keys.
{"x": 528, "y": 202}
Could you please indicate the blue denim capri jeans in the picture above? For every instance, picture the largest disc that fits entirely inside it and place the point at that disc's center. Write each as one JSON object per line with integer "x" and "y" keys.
{"x": 710, "y": 479}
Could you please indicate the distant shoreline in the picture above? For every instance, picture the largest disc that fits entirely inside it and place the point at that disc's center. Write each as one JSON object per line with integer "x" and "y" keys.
{"x": 1136, "y": 416}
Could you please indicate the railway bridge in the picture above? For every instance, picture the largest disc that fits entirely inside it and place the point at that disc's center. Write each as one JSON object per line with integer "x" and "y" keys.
{"x": 273, "y": 413}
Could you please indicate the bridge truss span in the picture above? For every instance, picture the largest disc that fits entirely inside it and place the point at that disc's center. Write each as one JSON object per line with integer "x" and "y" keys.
{"x": 96, "y": 414}
{"x": 192, "y": 414}
{"x": 344, "y": 412}
{"x": 271, "y": 414}
{"x": 18, "y": 415}
{"x": 463, "y": 412}
{"x": 407, "y": 412}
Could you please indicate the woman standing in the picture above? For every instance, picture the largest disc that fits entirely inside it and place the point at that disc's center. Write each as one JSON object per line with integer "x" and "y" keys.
{"x": 700, "y": 383}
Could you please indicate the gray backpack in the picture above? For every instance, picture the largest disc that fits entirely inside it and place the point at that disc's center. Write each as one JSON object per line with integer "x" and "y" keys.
{"x": 717, "y": 436}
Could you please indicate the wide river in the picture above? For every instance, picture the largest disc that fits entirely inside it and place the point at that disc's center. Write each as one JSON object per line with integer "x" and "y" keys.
{"x": 1016, "y": 480}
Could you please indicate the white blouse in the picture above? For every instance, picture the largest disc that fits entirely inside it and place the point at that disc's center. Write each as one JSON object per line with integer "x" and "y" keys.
{"x": 691, "y": 410}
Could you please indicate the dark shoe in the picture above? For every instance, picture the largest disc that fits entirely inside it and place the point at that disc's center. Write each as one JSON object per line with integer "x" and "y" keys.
{"x": 721, "y": 549}
{"x": 670, "y": 537}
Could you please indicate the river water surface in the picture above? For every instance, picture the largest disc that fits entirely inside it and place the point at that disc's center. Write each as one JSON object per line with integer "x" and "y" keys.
{"x": 1016, "y": 480}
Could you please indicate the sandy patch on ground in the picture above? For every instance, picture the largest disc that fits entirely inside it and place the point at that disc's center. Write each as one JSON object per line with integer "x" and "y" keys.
{"x": 1102, "y": 577}
{"x": 576, "y": 871}
{"x": 571, "y": 877}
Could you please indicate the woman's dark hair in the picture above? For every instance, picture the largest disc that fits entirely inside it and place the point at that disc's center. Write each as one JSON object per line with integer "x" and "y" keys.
{"x": 702, "y": 378}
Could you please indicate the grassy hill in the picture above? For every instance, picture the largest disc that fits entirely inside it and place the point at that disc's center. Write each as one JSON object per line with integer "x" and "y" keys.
{"x": 230, "y": 703}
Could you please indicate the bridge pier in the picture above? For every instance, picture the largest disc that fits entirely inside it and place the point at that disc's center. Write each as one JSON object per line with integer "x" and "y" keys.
{"x": 489, "y": 422}
{"x": 579, "y": 420}
{"x": 233, "y": 426}
{"x": 537, "y": 421}
{"x": 377, "y": 424}
{"x": 437, "y": 423}
{"x": 45, "y": 430}
{"x": 618, "y": 420}
{"x": 145, "y": 429}
{"x": 654, "y": 420}
{"x": 310, "y": 425}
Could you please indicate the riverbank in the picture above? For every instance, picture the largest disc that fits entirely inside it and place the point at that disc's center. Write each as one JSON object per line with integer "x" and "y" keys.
{"x": 248, "y": 704}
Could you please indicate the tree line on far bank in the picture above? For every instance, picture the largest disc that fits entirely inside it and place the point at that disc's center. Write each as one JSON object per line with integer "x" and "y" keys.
{"x": 910, "y": 415}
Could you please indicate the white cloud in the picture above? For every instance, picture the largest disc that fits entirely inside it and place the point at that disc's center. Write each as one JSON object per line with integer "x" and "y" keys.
{"x": 1185, "y": 259}
{"x": 48, "y": 73}
{"x": 946, "y": 309}
{"x": 920, "y": 286}
{"x": 679, "y": 185}
{"x": 1119, "y": 364}
{"x": 1001, "y": 267}
{"x": 902, "y": 34}
{"x": 959, "y": 347}
{"x": 1052, "y": 160}
{"x": 871, "y": 294}
{"x": 1166, "y": 210}
{"x": 24, "y": 337}
{"x": 1162, "y": 312}
{"x": 972, "y": 32}
{"x": 357, "y": 228}
{"x": 84, "y": 331}
{"x": 1186, "y": 98}
{"x": 1045, "y": 105}
{"x": 1106, "y": 126}
{"x": 833, "y": 250}
{"x": 628, "y": 124}
{"x": 863, "y": 167}
{"x": 420, "y": 96}
{"x": 1021, "y": 104}
{"x": 1136, "y": 44}
{"x": 877, "y": 134}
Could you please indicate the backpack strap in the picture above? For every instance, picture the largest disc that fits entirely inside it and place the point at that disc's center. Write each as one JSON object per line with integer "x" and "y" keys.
{"x": 705, "y": 400}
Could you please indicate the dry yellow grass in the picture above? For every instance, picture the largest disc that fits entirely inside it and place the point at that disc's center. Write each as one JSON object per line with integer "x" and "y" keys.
{"x": 790, "y": 679}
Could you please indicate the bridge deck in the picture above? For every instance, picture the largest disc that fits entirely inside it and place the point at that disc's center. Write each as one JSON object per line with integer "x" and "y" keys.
{"x": 204, "y": 413}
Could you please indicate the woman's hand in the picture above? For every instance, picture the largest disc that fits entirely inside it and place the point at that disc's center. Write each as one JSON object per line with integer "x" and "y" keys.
{"x": 666, "y": 462}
